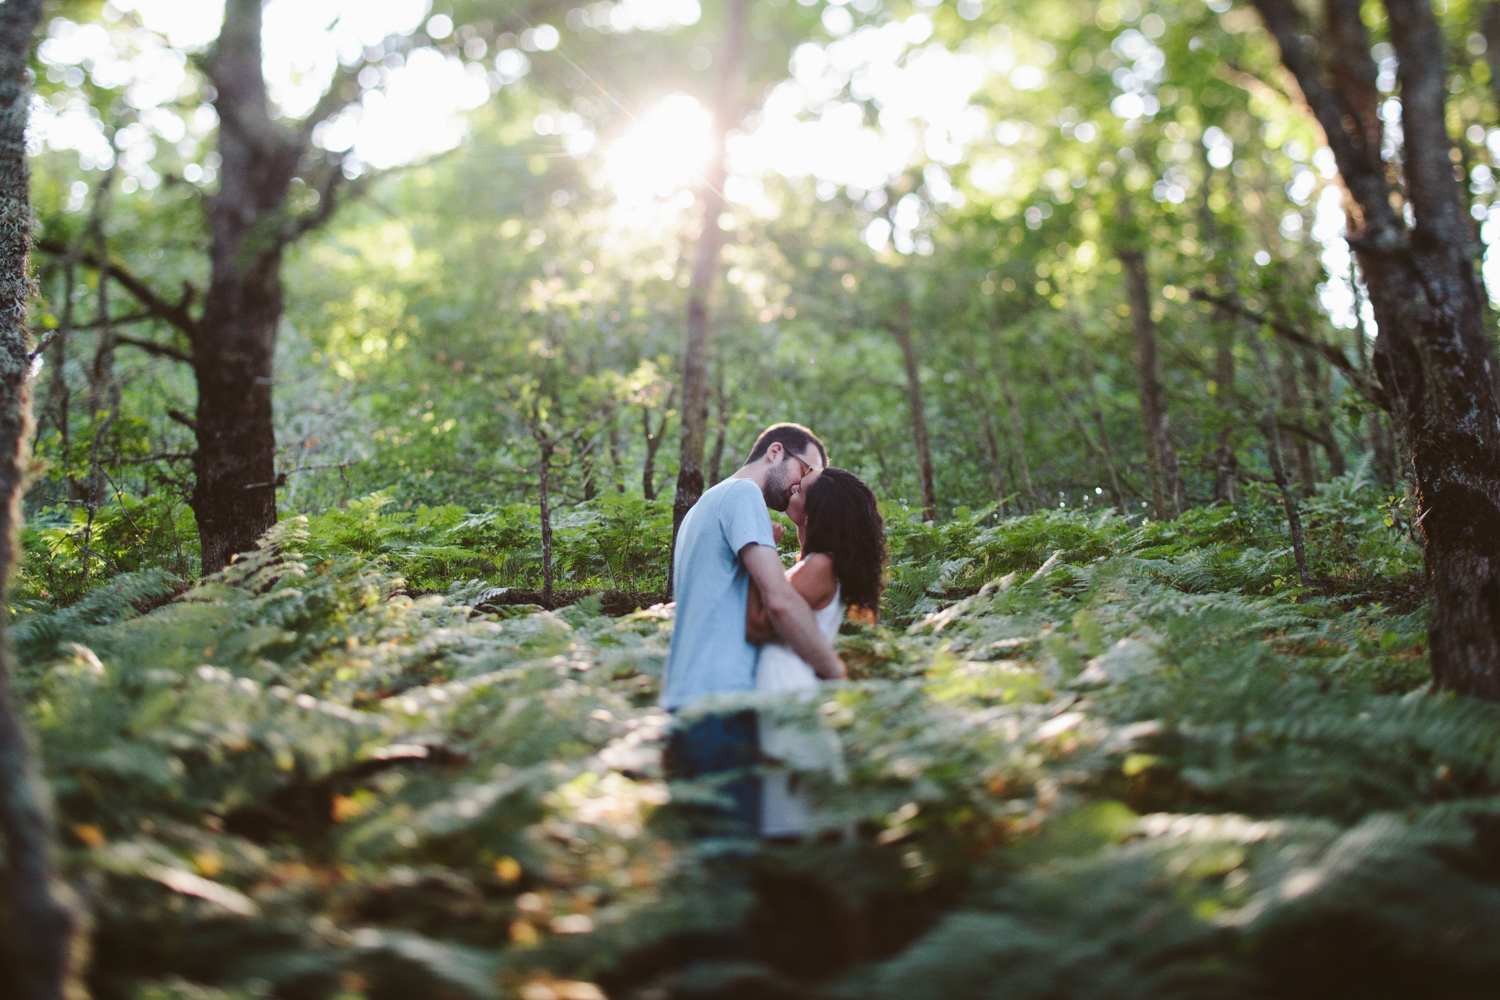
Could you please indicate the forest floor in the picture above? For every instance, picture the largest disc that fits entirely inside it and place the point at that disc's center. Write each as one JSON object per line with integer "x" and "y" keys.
{"x": 1133, "y": 760}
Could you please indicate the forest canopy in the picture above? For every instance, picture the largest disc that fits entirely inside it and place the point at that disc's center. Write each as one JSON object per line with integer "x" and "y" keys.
{"x": 375, "y": 353}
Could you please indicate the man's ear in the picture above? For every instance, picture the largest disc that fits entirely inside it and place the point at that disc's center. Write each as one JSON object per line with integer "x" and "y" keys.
{"x": 773, "y": 452}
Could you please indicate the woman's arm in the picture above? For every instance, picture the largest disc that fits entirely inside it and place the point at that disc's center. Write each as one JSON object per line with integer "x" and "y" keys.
{"x": 813, "y": 578}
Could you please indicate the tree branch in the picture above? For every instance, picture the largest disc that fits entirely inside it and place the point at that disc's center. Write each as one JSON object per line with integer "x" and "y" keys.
{"x": 334, "y": 99}
{"x": 165, "y": 456}
{"x": 1360, "y": 380}
{"x": 43, "y": 344}
{"x": 183, "y": 419}
{"x": 328, "y": 201}
{"x": 1426, "y": 146}
{"x": 174, "y": 313}
{"x": 160, "y": 350}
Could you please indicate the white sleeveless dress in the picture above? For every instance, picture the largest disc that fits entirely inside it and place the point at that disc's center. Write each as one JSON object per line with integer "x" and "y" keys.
{"x": 784, "y": 810}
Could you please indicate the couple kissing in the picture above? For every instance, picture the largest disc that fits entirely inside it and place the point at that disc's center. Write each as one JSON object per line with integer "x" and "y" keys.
{"x": 745, "y": 622}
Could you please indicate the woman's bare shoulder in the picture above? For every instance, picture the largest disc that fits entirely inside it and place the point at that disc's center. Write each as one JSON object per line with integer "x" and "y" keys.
{"x": 815, "y": 580}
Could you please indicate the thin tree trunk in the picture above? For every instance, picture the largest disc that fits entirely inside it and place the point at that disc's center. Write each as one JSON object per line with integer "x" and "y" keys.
{"x": 40, "y": 924}
{"x": 901, "y": 328}
{"x": 1320, "y": 391}
{"x": 1433, "y": 356}
{"x": 103, "y": 387}
{"x": 716, "y": 457}
{"x": 1226, "y": 464}
{"x": 706, "y": 269}
{"x": 617, "y": 470}
{"x": 992, "y": 446}
{"x": 1117, "y": 497}
{"x": 590, "y": 487}
{"x": 546, "y": 446}
{"x": 1096, "y": 407}
{"x": 1013, "y": 424}
{"x": 653, "y": 445}
{"x": 59, "y": 397}
{"x": 1292, "y": 410}
{"x": 1375, "y": 431}
{"x": 1161, "y": 456}
{"x": 1274, "y": 459}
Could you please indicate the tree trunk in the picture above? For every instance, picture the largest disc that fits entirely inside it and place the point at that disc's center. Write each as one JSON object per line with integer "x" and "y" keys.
{"x": 1274, "y": 459}
{"x": 617, "y": 470}
{"x": 1319, "y": 389}
{"x": 1226, "y": 464}
{"x": 1292, "y": 413}
{"x": 235, "y": 494}
{"x": 104, "y": 389}
{"x": 992, "y": 447}
{"x": 1013, "y": 424}
{"x": 40, "y": 924}
{"x": 590, "y": 487}
{"x": 59, "y": 396}
{"x": 546, "y": 447}
{"x": 716, "y": 457}
{"x": 1097, "y": 409}
{"x": 1433, "y": 355}
{"x": 1066, "y": 402}
{"x": 706, "y": 269}
{"x": 901, "y": 328}
{"x": 653, "y": 445}
{"x": 1377, "y": 435}
{"x": 1161, "y": 456}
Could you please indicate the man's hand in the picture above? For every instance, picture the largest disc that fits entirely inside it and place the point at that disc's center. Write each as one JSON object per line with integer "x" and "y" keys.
{"x": 777, "y": 531}
{"x": 789, "y": 613}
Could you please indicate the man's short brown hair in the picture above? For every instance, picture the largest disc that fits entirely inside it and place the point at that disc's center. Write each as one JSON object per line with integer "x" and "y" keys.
{"x": 793, "y": 437}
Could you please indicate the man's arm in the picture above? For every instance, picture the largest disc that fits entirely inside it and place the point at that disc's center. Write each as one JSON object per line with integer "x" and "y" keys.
{"x": 790, "y": 615}
{"x": 813, "y": 578}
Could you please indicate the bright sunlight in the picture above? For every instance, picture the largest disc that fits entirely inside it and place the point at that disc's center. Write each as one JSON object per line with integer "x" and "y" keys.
{"x": 665, "y": 151}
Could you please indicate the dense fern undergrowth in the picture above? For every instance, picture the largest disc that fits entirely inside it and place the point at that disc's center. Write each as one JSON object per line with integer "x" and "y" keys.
{"x": 1085, "y": 758}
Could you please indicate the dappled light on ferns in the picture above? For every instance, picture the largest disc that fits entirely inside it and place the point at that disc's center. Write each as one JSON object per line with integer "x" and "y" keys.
{"x": 1156, "y": 767}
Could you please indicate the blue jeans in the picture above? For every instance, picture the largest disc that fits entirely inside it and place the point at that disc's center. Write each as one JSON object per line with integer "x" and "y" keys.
{"x": 727, "y": 748}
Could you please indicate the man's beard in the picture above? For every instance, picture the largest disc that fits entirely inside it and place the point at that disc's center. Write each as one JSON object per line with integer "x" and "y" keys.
{"x": 778, "y": 488}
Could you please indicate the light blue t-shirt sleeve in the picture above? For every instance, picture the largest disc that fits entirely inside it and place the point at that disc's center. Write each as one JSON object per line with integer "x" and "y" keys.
{"x": 743, "y": 518}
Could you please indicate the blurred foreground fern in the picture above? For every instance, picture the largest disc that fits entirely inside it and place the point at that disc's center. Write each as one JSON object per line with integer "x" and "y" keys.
{"x": 1083, "y": 758}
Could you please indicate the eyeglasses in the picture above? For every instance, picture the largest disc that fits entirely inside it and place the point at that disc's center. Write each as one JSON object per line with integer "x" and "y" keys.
{"x": 806, "y": 469}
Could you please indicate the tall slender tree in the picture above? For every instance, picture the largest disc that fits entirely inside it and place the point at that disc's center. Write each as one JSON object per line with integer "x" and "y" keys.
{"x": 1161, "y": 456}
{"x": 1014, "y": 425}
{"x": 1435, "y": 360}
{"x": 900, "y": 327}
{"x": 705, "y": 273}
{"x": 40, "y": 923}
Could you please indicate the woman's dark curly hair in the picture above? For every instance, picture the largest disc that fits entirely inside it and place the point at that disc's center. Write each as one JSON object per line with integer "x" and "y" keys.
{"x": 844, "y": 521}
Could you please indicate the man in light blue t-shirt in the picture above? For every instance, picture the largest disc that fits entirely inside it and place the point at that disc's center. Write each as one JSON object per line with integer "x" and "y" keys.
{"x": 724, "y": 542}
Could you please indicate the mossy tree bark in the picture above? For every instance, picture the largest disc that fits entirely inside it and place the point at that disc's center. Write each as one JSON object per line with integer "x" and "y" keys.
{"x": 40, "y": 923}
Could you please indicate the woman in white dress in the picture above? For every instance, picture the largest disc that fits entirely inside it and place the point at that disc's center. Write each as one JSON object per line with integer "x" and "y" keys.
{"x": 842, "y": 558}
